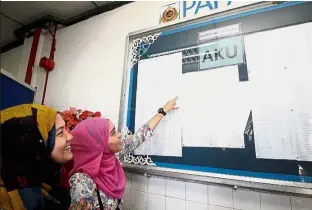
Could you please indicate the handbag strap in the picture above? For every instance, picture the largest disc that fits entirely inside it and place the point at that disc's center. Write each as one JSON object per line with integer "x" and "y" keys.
{"x": 99, "y": 198}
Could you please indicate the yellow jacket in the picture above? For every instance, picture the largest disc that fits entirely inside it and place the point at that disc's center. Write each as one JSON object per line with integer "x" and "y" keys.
{"x": 5, "y": 202}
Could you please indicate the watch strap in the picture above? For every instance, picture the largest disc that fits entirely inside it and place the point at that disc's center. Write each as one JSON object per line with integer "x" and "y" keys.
{"x": 162, "y": 111}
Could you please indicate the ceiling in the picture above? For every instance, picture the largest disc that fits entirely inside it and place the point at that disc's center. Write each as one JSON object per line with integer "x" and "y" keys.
{"x": 17, "y": 14}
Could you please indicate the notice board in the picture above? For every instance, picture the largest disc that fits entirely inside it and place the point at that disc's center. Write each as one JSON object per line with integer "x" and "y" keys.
{"x": 243, "y": 82}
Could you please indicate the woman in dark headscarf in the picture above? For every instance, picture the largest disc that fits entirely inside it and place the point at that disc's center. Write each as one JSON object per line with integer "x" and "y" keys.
{"x": 34, "y": 144}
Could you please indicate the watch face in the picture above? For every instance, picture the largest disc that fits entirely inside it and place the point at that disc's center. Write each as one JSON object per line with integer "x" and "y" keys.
{"x": 161, "y": 111}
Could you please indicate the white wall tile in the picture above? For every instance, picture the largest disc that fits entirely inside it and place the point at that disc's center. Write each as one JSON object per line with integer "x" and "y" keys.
{"x": 157, "y": 186}
{"x": 139, "y": 183}
{"x": 195, "y": 206}
{"x": 220, "y": 196}
{"x": 212, "y": 207}
{"x": 275, "y": 202}
{"x": 156, "y": 202}
{"x": 127, "y": 197}
{"x": 246, "y": 200}
{"x": 196, "y": 192}
{"x": 175, "y": 189}
{"x": 138, "y": 200}
{"x": 299, "y": 203}
{"x": 174, "y": 204}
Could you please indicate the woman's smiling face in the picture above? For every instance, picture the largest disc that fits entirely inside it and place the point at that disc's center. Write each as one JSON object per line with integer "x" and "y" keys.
{"x": 61, "y": 152}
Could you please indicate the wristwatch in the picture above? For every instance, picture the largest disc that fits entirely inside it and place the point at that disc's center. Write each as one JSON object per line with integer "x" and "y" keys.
{"x": 161, "y": 111}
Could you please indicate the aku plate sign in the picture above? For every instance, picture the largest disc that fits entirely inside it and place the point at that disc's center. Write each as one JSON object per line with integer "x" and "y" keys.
{"x": 221, "y": 52}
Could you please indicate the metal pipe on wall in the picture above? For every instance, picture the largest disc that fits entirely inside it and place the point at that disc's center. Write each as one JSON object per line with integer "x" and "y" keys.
{"x": 32, "y": 56}
{"x": 52, "y": 50}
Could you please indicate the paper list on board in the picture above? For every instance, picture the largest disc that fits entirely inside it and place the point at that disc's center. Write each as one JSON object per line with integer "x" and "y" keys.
{"x": 304, "y": 94}
{"x": 283, "y": 122}
{"x": 222, "y": 108}
{"x": 270, "y": 119}
{"x": 273, "y": 116}
{"x": 282, "y": 109}
{"x": 303, "y": 110}
{"x": 302, "y": 70}
{"x": 159, "y": 81}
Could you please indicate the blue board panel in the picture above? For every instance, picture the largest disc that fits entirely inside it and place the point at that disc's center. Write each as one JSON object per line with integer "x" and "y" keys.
{"x": 14, "y": 93}
{"x": 229, "y": 161}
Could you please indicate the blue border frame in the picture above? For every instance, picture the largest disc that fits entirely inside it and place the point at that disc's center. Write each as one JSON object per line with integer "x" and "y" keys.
{"x": 130, "y": 97}
{"x": 283, "y": 177}
{"x": 232, "y": 17}
{"x": 293, "y": 178}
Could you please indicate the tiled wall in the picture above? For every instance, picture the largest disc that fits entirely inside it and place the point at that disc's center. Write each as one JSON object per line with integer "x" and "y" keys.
{"x": 143, "y": 193}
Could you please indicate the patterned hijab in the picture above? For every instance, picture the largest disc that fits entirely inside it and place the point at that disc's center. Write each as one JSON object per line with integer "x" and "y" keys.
{"x": 27, "y": 140}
